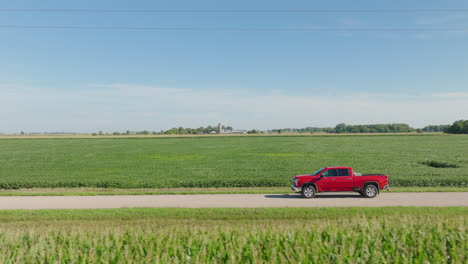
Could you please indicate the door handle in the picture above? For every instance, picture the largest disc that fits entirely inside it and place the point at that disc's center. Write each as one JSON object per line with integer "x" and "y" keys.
{"x": 332, "y": 179}
{"x": 349, "y": 178}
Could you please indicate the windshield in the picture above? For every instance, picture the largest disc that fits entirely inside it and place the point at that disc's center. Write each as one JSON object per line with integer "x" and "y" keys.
{"x": 318, "y": 172}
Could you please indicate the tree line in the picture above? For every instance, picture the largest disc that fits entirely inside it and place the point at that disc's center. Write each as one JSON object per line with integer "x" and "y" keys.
{"x": 435, "y": 128}
{"x": 458, "y": 127}
{"x": 173, "y": 131}
{"x": 200, "y": 130}
{"x": 377, "y": 128}
{"x": 344, "y": 128}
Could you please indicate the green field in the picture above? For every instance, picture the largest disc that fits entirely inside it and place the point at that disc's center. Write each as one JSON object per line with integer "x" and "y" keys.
{"x": 262, "y": 161}
{"x": 287, "y": 235}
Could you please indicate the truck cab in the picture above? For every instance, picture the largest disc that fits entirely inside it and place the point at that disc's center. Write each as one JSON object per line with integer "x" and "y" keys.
{"x": 339, "y": 179}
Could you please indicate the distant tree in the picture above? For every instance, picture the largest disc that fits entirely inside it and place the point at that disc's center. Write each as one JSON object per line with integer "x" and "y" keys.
{"x": 458, "y": 127}
{"x": 340, "y": 128}
{"x": 94, "y": 134}
{"x": 100, "y": 133}
{"x": 116, "y": 133}
{"x": 210, "y": 129}
{"x": 377, "y": 128}
{"x": 435, "y": 128}
{"x": 128, "y": 132}
{"x": 171, "y": 131}
{"x": 305, "y": 130}
{"x": 364, "y": 129}
{"x": 22, "y": 133}
{"x": 192, "y": 131}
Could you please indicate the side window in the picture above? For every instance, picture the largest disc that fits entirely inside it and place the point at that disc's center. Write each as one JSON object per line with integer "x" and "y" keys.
{"x": 330, "y": 173}
{"x": 343, "y": 172}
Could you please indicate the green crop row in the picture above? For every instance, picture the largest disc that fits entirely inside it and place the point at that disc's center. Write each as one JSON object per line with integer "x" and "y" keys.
{"x": 438, "y": 160}
{"x": 277, "y": 236}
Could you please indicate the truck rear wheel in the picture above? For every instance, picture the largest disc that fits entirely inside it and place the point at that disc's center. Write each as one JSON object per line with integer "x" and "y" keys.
{"x": 308, "y": 191}
{"x": 370, "y": 191}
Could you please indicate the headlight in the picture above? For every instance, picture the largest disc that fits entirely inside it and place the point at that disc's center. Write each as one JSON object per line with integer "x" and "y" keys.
{"x": 295, "y": 181}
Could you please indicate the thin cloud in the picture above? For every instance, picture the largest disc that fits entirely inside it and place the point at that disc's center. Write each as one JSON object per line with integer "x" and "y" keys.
{"x": 118, "y": 107}
{"x": 442, "y": 20}
{"x": 136, "y": 90}
{"x": 352, "y": 22}
{"x": 451, "y": 94}
{"x": 422, "y": 36}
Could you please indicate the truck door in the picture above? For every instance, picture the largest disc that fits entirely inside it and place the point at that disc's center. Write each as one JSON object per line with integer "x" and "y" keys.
{"x": 327, "y": 182}
{"x": 336, "y": 180}
{"x": 344, "y": 180}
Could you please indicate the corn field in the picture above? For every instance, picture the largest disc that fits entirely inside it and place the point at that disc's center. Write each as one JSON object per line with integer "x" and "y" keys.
{"x": 346, "y": 239}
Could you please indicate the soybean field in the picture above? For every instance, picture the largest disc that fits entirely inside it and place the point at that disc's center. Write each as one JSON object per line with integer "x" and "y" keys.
{"x": 231, "y": 161}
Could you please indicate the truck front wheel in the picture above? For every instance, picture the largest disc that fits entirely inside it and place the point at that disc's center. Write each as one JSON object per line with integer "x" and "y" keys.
{"x": 370, "y": 191}
{"x": 308, "y": 191}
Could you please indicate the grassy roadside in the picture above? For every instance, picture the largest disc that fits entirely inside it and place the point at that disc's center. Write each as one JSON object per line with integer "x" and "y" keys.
{"x": 233, "y": 214}
{"x": 182, "y": 191}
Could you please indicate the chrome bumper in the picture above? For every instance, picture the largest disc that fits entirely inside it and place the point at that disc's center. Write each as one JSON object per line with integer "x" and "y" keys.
{"x": 386, "y": 187}
{"x": 296, "y": 189}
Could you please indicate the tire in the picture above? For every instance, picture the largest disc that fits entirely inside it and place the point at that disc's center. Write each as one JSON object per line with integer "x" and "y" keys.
{"x": 308, "y": 191}
{"x": 370, "y": 191}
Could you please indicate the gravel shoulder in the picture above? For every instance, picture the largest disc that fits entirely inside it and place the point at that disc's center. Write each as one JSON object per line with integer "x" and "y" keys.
{"x": 179, "y": 191}
{"x": 439, "y": 199}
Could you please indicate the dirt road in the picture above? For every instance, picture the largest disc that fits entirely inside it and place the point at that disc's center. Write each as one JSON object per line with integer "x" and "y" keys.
{"x": 233, "y": 200}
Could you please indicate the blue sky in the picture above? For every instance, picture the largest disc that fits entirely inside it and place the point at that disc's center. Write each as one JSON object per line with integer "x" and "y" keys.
{"x": 114, "y": 80}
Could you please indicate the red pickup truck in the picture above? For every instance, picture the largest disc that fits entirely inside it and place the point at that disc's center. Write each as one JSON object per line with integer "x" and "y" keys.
{"x": 339, "y": 179}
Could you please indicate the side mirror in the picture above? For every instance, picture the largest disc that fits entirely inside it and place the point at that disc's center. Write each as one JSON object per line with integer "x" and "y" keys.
{"x": 321, "y": 176}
